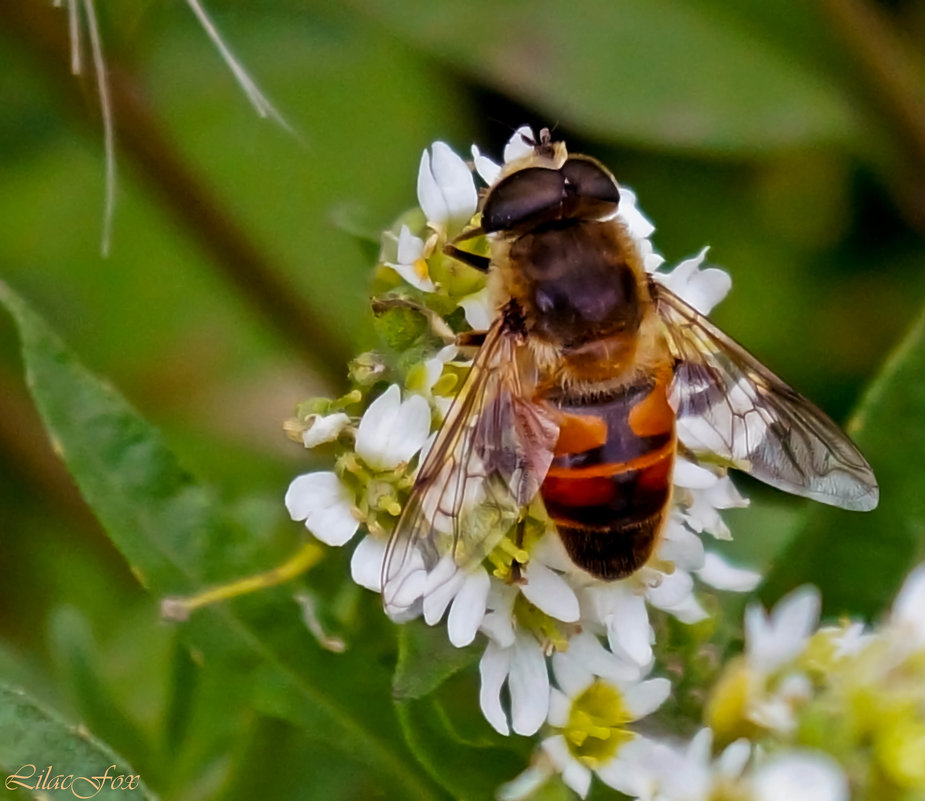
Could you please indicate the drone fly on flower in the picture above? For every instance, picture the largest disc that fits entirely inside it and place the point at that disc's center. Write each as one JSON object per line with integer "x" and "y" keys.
{"x": 581, "y": 386}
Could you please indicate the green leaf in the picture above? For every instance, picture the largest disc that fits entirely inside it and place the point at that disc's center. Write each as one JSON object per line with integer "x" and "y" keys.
{"x": 655, "y": 73}
{"x": 34, "y": 739}
{"x": 176, "y": 537}
{"x": 857, "y": 559}
{"x": 72, "y": 643}
{"x": 466, "y": 769}
{"x": 426, "y": 659}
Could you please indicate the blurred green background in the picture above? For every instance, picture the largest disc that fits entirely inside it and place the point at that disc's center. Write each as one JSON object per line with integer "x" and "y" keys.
{"x": 790, "y": 137}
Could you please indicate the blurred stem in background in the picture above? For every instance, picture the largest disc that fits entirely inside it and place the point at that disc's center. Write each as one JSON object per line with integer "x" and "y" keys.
{"x": 141, "y": 139}
{"x": 895, "y": 73}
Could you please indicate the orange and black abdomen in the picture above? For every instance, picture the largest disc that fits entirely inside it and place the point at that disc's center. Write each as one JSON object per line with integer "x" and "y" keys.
{"x": 609, "y": 485}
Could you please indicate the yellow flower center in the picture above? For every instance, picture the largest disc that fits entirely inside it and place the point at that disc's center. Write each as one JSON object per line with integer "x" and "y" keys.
{"x": 596, "y": 725}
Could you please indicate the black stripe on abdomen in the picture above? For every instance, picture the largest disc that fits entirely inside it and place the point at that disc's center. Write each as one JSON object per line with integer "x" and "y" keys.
{"x": 609, "y": 502}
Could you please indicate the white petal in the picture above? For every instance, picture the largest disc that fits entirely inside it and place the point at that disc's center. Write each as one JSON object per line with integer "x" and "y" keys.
{"x": 693, "y": 476}
{"x": 717, "y": 572}
{"x": 410, "y": 253}
{"x": 772, "y": 642}
{"x": 410, "y": 247}
{"x": 700, "y": 747}
{"x": 391, "y": 432}
{"x": 524, "y": 785}
{"x": 650, "y": 258}
{"x": 578, "y": 777}
{"x": 680, "y": 545}
{"x": 673, "y": 590}
{"x": 485, "y": 167}
{"x": 468, "y": 608}
{"x": 909, "y": 607}
{"x": 560, "y": 708}
{"x": 800, "y": 776}
{"x": 529, "y": 686}
{"x": 587, "y": 650}
{"x": 689, "y": 611}
{"x": 410, "y": 275}
{"x": 493, "y": 670}
{"x": 549, "y": 592}
{"x": 519, "y": 145}
{"x": 498, "y": 627}
{"x": 498, "y": 624}
{"x": 773, "y": 713}
{"x": 551, "y": 552}
{"x": 324, "y": 428}
{"x": 454, "y": 179}
{"x": 640, "y": 227}
{"x": 441, "y": 586}
{"x": 366, "y": 563}
{"x": 702, "y": 289}
{"x": 644, "y": 698}
{"x": 479, "y": 309}
{"x": 851, "y": 640}
{"x": 574, "y": 774}
{"x": 628, "y": 630}
{"x": 732, "y": 761}
{"x": 405, "y": 586}
{"x": 638, "y": 769}
{"x": 326, "y": 506}
{"x": 430, "y": 197}
{"x": 572, "y": 675}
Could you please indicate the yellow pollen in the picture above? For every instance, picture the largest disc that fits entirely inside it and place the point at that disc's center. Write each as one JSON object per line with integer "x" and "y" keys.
{"x": 420, "y": 269}
{"x": 517, "y": 554}
{"x": 596, "y": 725}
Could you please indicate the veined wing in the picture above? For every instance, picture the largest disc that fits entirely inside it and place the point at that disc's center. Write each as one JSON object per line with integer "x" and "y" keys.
{"x": 487, "y": 463}
{"x": 731, "y": 406}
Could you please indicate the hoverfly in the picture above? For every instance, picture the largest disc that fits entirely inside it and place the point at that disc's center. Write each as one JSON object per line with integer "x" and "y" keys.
{"x": 580, "y": 386}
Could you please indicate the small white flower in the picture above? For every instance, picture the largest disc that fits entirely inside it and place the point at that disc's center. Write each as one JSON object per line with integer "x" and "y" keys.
{"x": 326, "y": 506}
{"x": 411, "y": 263}
{"x": 392, "y": 431}
{"x": 773, "y": 641}
{"x": 691, "y": 774}
{"x": 324, "y": 428}
{"x": 800, "y": 776}
{"x": 591, "y": 716}
{"x": 446, "y": 190}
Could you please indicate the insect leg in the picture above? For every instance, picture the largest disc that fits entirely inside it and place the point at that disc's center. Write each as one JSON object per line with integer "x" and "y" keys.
{"x": 481, "y": 263}
{"x": 516, "y": 574}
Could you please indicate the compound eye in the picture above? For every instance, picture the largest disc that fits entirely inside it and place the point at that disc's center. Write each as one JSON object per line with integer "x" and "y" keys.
{"x": 524, "y": 197}
{"x": 589, "y": 181}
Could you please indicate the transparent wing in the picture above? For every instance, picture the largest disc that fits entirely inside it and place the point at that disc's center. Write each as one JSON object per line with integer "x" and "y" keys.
{"x": 486, "y": 464}
{"x": 732, "y": 407}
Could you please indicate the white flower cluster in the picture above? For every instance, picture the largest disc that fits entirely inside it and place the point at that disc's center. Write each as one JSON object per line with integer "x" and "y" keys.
{"x": 807, "y": 714}
{"x": 565, "y": 645}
